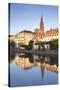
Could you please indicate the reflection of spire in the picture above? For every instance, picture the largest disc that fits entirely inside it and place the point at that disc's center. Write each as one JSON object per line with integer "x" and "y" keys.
{"x": 42, "y": 70}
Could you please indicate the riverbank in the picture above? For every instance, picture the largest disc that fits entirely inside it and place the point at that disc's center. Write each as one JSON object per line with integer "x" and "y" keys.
{"x": 49, "y": 52}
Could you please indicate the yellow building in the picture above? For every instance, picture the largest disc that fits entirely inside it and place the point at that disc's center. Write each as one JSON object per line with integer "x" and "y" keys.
{"x": 23, "y": 37}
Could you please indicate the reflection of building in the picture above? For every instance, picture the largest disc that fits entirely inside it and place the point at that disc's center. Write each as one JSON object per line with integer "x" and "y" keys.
{"x": 24, "y": 62}
{"x": 41, "y": 35}
{"x": 23, "y": 37}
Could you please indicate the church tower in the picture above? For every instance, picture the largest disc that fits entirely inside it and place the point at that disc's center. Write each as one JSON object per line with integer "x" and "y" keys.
{"x": 41, "y": 24}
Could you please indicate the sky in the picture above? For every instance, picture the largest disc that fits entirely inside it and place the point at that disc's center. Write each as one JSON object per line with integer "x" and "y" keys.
{"x": 27, "y": 17}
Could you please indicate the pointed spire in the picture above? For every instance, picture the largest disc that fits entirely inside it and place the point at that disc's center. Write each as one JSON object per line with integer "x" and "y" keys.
{"x": 41, "y": 24}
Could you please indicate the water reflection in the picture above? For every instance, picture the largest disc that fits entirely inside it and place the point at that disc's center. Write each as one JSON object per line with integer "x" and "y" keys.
{"x": 27, "y": 62}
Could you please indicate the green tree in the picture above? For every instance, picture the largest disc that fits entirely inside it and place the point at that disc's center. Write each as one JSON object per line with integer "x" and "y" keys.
{"x": 12, "y": 43}
{"x": 54, "y": 44}
{"x": 29, "y": 47}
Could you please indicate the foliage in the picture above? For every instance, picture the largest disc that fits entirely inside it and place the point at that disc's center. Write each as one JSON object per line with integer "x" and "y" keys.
{"x": 54, "y": 44}
{"x": 29, "y": 46}
{"x": 12, "y": 43}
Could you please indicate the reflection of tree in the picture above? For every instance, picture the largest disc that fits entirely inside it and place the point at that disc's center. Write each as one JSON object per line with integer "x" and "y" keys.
{"x": 29, "y": 56}
{"x": 12, "y": 57}
{"x": 54, "y": 60}
{"x": 11, "y": 48}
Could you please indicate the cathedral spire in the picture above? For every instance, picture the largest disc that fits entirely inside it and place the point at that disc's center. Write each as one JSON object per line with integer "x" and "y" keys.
{"x": 41, "y": 24}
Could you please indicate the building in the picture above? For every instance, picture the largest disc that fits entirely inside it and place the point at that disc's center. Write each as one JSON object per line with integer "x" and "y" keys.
{"x": 11, "y": 37}
{"x": 23, "y": 37}
{"x": 38, "y": 35}
{"x": 48, "y": 35}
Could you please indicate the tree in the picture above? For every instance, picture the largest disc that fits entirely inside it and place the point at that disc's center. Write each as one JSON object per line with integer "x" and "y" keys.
{"x": 12, "y": 48}
{"x": 12, "y": 43}
{"x": 29, "y": 47}
{"x": 54, "y": 44}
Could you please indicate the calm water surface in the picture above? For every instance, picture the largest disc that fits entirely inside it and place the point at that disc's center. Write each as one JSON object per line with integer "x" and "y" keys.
{"x": 32, "y": 69}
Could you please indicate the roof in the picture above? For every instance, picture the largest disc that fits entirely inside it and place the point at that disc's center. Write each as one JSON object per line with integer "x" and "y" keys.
{"x": 26, "y": 31}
